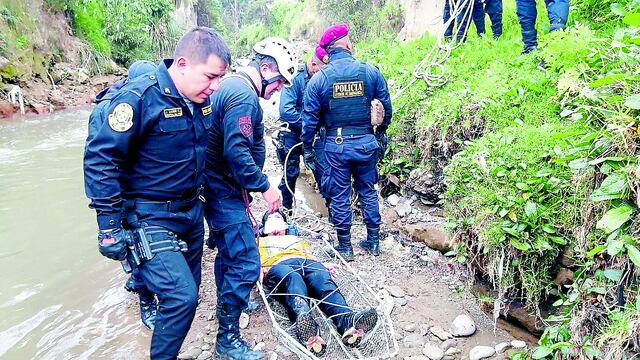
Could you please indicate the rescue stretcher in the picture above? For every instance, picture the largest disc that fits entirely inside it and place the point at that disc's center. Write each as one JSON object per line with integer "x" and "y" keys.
{"x": 379, "y": 343}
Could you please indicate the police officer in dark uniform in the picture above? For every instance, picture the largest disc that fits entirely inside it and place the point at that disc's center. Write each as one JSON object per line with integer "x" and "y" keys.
{"x": 493, "y": 8}
{"x": 291, "y": 102}
{"x": 147, "y": 300}
{"x": 144, "y": 171}
{"x": 339, "y": 97}
{"x": 235, "y": 157}
{"x": 558, "y": 11}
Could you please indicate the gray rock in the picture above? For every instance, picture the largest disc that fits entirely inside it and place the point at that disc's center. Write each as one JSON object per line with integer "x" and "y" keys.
{"x": 481, "y": 352}
{"x": 395, "y": 291}
{"x": 432, "y": 352}
{"x": 411, "y": 327}
{"x": 244, "y": 320}
{"x": 440, "y": 333}
{"x": 273, "y": 355}
{"x": 424, "y": 329}
{"x": 393, "y": 200}
{"x": 205, "y": 347}
{"x": 413, "y": 341}
{"x": 208, "y": 340}
{"x": 452, "y": 352}
{"x": 500, "y": 348}
{"x": 401, "y": 301}
{"x": 448, "y": 344}
{"x": 403, "y": 209}
{"x": 190, "y": 354}
{"x": 416, "y": 357}
{"x": 205, "y": 355}
{"x": 463, "y": 325}
{"x": 3, "y": 62}
{"x": 518, "y": 344}
{"x": 259, "y": 346}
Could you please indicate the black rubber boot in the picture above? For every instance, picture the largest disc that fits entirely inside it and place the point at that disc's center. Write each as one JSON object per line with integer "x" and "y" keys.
{"x": 344, "y": 244}
{"x": 148, "y": 304}
{"x": 148, "y": 309}
{"x": 372, "y": 244}
{"x": 229, "y": 344}
{"x": 355, "y": 325}
{"x": 306, "y": 327}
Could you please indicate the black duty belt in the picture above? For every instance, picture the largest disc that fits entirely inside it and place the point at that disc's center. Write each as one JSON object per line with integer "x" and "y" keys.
{"x": 177, "y": 205}
{"x": 349, "y": 131}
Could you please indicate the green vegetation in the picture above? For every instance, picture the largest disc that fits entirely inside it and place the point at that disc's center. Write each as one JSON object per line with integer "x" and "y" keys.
{"x": 126, "y": 30}
{"x": 541, "y": 165}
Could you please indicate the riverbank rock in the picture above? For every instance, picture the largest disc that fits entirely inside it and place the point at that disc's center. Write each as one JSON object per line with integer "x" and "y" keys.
{"x": 7, "y": 109}
{"x": 463, "y": 325}
{"x": 395, "y": 291}
{"x": 502, "y": 347}
{"x": 448, "y": 344}
{"x": 190, "y": 354}
{"x": 244, "y": 320}
{"x": 481, "y": 352}
{"x": 425, "y": 185}
{"x": 403, "y": 208}
{"x": 440, "y": 333}
{"x": 413, "y": 341}
{"x": 393, "y": 199}
{"x": 432, "y": 351}
{"x": 432, "y": 236}
{"x": 518, "y": 344}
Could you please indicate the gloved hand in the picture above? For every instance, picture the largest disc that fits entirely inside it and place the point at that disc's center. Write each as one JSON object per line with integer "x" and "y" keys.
{"x": 383, "y": 142}
{"x": 113, "y": 244}
{"x": 309, "y": 157}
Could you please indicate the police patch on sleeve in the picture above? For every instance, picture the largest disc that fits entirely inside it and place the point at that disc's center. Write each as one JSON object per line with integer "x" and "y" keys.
{"x": 121, "y": 118}
{"x": 244, "y": 125}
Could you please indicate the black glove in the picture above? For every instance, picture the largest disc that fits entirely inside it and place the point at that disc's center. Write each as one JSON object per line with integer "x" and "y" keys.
{"x": 309, "y": 157}
{"x": 113, "y": 244}
{"x": 383, "y": 142}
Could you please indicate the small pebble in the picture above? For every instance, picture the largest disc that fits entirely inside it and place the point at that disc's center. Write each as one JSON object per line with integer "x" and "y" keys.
{"x": 448, "y": 344}
{"x": 205, "y": 355}
{"x": 481, "y": 352}
{"x": 500, "y": 348}
{"x": 244, "y": 320}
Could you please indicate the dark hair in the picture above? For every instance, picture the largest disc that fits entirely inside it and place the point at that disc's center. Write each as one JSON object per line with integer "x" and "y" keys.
{"x": 260, "y": 59}
{"x": 280, "y": 211}
{"x": 200, "y": 43}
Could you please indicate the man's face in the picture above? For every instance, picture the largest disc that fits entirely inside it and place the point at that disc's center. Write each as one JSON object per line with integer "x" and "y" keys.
{"x": 268, "y": 74}
{"x": 198, "y": 81}
{"x": 277, "y": 217}
{"x": 316, "y": 65}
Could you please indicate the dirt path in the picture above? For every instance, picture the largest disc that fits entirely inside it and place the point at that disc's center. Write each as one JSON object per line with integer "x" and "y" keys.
{"x": 435, "y": 292}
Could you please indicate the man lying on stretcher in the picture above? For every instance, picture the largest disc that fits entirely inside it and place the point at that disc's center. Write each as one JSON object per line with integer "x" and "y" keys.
{"x": 292, "y": 275}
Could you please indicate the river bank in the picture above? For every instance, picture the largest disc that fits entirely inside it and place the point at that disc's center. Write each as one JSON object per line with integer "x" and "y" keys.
{"x": 67, "y": 87}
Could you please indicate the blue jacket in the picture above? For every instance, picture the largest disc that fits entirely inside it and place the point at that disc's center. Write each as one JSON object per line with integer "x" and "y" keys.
{"x": 291, "y": 100}
{"x": 318, "y": 93}
{"x": 236, "y": 148}
{"x": 149, "y": 146}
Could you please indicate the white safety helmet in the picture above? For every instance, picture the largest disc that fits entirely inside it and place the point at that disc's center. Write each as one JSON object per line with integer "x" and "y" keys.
{"x": 282, "y": 51}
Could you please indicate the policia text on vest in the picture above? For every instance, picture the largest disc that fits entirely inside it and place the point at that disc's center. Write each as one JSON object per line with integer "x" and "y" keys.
{"x": 348, "y": 89}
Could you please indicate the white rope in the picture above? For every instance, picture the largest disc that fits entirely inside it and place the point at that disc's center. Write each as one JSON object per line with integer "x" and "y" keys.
{"x": 442, "y": 48}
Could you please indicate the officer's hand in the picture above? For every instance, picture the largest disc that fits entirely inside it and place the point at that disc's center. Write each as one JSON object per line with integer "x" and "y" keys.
{"x": 309, "y": 158}
{"x": 113, "y": 243}
{"x": 273, "y": 199}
